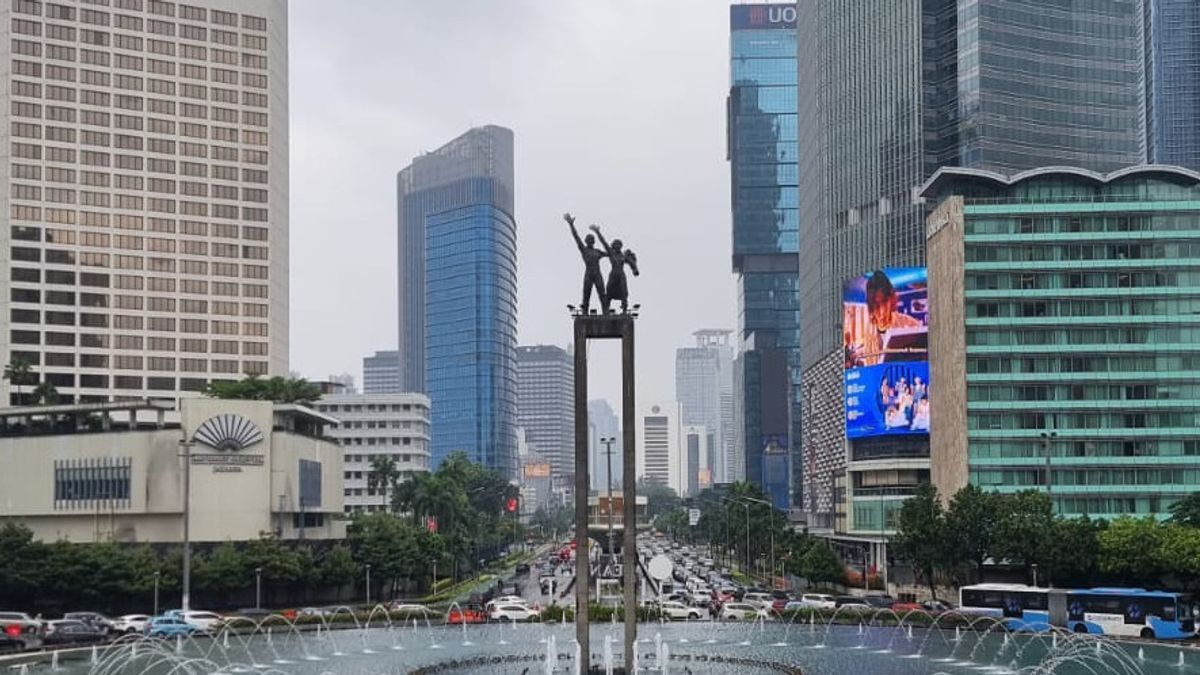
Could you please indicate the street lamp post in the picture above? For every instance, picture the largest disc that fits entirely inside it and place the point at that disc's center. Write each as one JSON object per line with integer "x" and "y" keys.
{"x": 187, "y": 517}
{"x": 772, "y": 528}
{"x": 157, "y": 574}
{"x": 608, "y": 443}
{"x": 257, "y": 588}
{"x": 1049, "y": 482}
{"x": 368, "y": 585}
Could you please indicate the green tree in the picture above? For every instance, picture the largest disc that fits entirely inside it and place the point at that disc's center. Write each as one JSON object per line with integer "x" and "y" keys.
{"x": 277, "y": 389}
{"x": 1024, "y": 528}
{"x": 659, "y": 498}
{"x": 221, "y": 571}
{"x": 1072, "y": 556}
{"x": 1186, "y": 511}
{"x": 971, "y": 526}
{"x": 18, "y": 372}
{"x": 45, "y": 393}
{"x": 383, "y": 477}
{"x": 337, "y": 567}
{"x": 921, "y": 534}
{"x": 1132, "y": 548}
{"x": 819, "y": 564}
{"x": 1180, "y": 547}
{"x": 673, "y": 522}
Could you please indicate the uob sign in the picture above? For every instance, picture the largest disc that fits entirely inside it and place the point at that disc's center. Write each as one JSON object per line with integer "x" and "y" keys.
{"x": 762, "y": 16}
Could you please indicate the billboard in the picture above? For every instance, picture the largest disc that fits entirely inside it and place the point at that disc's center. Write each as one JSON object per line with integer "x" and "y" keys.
{"x": 886, "y": 346}
{"x": 537, "y": 470}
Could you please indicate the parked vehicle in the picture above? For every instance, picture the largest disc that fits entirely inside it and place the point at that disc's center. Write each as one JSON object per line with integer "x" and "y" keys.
{"x": 131, "y": 623}
{"x": 819, "y": 601}
{"x": 202, "y": 620}
{"x": 72, "y": 631}
{"x": 512, "y": 612}
{"x": 853, "y": 602}
{"x": 937, "y": 606}
{"x": 10, "y": 645}
{"x": 470, "y": 613}
{"x": 677, "y": 611}
{"x": 758, "y": 600}
{"x": 741, "y": 611}
{"x": 408, "y": 608}
{"x": 523, "y": 569}
{"x": 93, "y": 619}
{"x": 902, "y": 606}
{"x": 23, "y": 627}
{"x": 169, "y": 626}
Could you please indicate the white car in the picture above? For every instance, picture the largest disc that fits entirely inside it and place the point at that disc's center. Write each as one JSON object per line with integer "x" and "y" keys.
{"x": 408, "y": 608}
{"x": 741, "y": 611}
{"x": 759, "y": 600}
{"x": 512, "y": 612}
{"x": 818, "y": 600}
{"x": 205, "y": 621}
{"x": 511, "y": 600}
{"x": 677, "y": 611}
{"x": 131, "y": 623}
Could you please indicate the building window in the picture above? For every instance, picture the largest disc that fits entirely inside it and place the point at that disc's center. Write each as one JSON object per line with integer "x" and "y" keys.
{"x": 82, "y": 483}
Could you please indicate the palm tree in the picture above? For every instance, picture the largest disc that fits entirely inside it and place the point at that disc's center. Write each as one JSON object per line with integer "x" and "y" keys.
{"x": 17, "y": 372}
{"x": 383, "y": 475}
{"x": 45, "y": 394}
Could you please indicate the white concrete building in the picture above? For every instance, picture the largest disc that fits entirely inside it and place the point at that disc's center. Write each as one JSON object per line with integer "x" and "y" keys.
{"x": 659, "y": 445}
{"x": 704, "y": 388}
{"x": 115, "y": 471}
{"x": 371, "y": 425}
{"x": 145, "y": 194}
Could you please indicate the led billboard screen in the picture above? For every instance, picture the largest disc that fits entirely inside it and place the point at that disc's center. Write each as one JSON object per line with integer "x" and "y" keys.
{"x": 886, "y": 346}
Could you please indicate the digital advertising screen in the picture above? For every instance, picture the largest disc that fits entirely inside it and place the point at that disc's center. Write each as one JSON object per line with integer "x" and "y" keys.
{"x": 886, "y": 346}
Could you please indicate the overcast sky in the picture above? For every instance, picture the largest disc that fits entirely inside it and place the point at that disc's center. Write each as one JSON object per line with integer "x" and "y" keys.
{"x": 618, "y": 110}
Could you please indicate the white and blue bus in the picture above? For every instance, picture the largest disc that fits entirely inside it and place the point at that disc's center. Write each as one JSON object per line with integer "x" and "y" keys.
{"x": 1119, "y": 612}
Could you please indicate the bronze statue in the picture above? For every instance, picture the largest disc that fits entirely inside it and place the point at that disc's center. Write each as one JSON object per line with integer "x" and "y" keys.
{"x": 591, "y": 266}
{"x": 618, "y": 287}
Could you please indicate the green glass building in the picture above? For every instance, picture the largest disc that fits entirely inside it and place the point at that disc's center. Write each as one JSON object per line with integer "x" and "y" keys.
{"x": 1065, "y": 335}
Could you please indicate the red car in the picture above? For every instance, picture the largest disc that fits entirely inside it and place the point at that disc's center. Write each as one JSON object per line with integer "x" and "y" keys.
{"x": 467, "y": 614}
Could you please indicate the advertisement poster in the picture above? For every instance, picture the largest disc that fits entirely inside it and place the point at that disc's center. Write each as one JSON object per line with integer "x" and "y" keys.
{"x": 886, "y": 346}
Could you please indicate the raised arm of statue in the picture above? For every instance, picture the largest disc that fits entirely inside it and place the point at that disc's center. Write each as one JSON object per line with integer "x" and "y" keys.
{"x": 603, "y": 241}
{"x": 571, "y": 221}
{"x": 631, "y": 258}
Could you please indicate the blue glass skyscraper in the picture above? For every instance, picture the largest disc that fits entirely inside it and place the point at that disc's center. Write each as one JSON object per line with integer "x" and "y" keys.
{"x": 1173, "y": 82}
{"x": 766, "y": 232}
{"x": 458, "y": 294}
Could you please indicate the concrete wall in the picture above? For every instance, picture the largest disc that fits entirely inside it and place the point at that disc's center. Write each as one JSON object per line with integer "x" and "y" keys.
{"x": 947, "y": 348}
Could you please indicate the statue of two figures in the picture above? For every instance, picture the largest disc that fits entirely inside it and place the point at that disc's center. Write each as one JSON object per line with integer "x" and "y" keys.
{"x": 618, "y": 257}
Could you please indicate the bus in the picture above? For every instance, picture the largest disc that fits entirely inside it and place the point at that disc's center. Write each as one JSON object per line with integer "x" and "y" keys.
{"x": 1119, "y": 612}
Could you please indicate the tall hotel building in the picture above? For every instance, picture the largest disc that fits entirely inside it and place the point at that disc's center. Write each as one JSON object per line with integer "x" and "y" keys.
{"x": 458, "y": 294}
{"x": 146, "y": 248}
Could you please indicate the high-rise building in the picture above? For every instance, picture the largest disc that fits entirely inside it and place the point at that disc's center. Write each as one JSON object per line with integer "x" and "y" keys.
{"x": 891, "y": 90}
{"x": 458, "y": 294}
{"x": 603, "y": 423}
{"x": 660, "y": 457}
{"x": 146, "y": 193}
{"x": 377, "y": 425}
{"x": 704, "y": 387}
{"x": 766, "y": 225}
{"x": 697, "y": 459}
{"x": 381, "y": 373}
{"x": 1172, "y": 82}
{"x": 1063, "y": 335}
{"x": 546, "y": 405}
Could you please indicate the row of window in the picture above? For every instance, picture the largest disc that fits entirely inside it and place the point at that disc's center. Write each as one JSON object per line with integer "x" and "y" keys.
{"x": 134, "y": 322}
{"x": 1078, "y": 251}
{"x": 152, "y": 382}
{"x": 346, "y": 442}
{"x": 54, "y": 235}
{"x": 33, "y": 151}
{"x": 126, "y": 262}
{"x": 1096, "y": 422}
{"x": 133, "y": 342}
{"x": 156, "y": 284}
{"x": 1106, "y": 476}
{"x": 157, "y": 7}
{"x": 1122, "y": 278}
{"x": 72, "y": 176}
{"x": 1058, "y": 447}
{"x": 137, "y": 43}
{"x": 136, "y": 362}
{"x": 1125, "y": 363}
{"x": 1159, "y": 222}
{"x": 1100, "y": 309}
{"x": 122, "y": 61}
{"x": 137, "y": 243}
{"x": 1102, "y": 391}
{"x": 1133, "y": 335}
{"x": 130, "y": 102}
{"x": 92, "y": 481}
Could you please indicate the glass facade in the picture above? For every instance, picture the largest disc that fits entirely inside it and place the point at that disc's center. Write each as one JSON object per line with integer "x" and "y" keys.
{"x": 892, "y": 90}
{"x": 1173, "y": 82}
{"x": 457, "y": 295}
{"x": 766, "y": 219}
{"x": 1082, "y": 313}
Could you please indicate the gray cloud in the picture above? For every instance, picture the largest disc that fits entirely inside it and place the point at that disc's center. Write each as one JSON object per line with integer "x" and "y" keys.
{"x": 618, "y": 108}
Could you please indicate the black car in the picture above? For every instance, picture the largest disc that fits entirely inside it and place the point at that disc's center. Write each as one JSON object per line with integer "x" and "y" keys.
{"x": 94, "y": 619}
{"x": 10, "y": 645}
{"x": 71, "y": 631}
{"x": 523, "y": 569}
